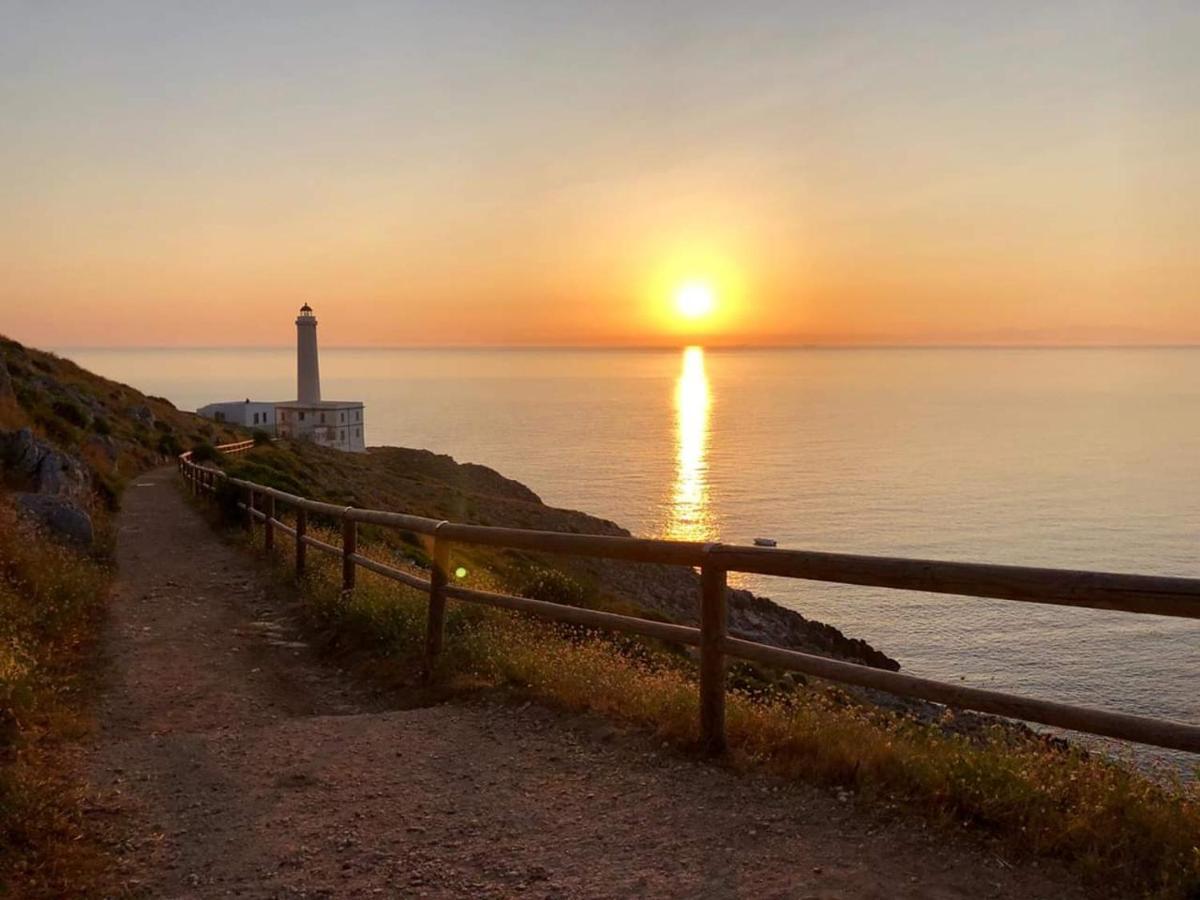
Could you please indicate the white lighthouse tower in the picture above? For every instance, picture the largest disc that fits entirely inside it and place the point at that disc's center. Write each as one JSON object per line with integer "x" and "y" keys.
{"x": 308, "y": 370}
{"x": 330, "y": 423}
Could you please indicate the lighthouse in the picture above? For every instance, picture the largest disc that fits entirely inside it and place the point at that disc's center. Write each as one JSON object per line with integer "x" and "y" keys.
{"x": 330, "y": 423}
{"x": 308, "y": 370}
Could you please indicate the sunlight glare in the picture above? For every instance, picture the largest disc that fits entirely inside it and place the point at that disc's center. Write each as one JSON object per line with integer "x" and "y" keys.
{"x": 695, "y": 299}
{"x": 690, "y": 516}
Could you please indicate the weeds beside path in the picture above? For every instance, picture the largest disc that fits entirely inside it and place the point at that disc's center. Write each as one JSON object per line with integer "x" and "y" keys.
{"x": 238, "y": 764}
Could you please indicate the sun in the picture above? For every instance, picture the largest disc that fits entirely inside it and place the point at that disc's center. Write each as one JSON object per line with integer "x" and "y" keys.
{"x": 695, "y": 299}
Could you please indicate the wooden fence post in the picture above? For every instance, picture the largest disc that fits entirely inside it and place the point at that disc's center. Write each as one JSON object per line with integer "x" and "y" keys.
{"x": 250, "y": 510}
{"x": 268, "y": 524}
{"x": 713, "y": 626}
{"x": 349, "y": 548}
{"x": 301, "y": 547}
{"x": 437, "y": 603}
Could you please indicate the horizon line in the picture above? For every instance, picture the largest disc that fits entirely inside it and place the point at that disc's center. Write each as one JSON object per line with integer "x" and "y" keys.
{"x": 644, "y": 347}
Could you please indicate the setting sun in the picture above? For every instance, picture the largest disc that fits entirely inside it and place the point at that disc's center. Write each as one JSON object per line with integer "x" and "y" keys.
{"x": 695, "y": 299}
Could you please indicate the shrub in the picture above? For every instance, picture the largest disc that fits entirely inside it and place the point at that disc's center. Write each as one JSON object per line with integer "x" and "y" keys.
{"x": 205, "y": 452}
{"x": 71, "y": 412}
{"x": 260, "y": 437}
{"x": 100, "y": 426}
{"x": 49, "y": 599}
{"x": 168, "y": 445}
{"x": 553, "y": 586}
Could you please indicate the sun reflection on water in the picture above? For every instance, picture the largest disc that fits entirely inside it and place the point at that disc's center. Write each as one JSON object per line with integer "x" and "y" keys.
{"x": 690, "y": 517}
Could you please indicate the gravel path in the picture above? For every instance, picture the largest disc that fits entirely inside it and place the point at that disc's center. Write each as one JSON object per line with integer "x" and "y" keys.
{"x": 239, "y": 765}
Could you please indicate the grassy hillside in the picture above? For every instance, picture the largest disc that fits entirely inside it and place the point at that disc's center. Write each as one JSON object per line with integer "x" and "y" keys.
{"x": 115, "y": 430}
{"x": 427, "y": 484}
{"x": 87, "y": 437}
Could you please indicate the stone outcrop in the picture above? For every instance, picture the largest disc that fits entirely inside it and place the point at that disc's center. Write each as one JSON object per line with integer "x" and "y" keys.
{"x": 57, "y": 487}
{"x": 45, "y": 469}
{"x": 143, "y": 414}
{"x": 61, "y": 515}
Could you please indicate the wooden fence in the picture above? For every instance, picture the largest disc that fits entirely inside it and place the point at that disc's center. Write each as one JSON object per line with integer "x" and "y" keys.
{"x": 1143, "y": 594}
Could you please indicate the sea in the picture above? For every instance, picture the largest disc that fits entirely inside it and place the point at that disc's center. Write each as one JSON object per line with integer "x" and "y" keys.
{"x": 1075, "y": 458}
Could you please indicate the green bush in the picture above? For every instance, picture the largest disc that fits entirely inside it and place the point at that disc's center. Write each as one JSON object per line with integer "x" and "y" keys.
{"x": 168, "y": 445}
{"x": 72, "y": 412}
{"x": 552, "y": 586}
{"x": 205, "y": 452}
{"x": 100, "y": 426}
{"x": 260, "y": 437}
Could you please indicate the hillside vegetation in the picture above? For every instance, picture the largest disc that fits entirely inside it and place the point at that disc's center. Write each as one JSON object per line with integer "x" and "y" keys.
{"x": 427, "y": 484}
{"x": 112, "y": 430}
{"x": 70, "y": 442}
{"x": 1035, "y": 795}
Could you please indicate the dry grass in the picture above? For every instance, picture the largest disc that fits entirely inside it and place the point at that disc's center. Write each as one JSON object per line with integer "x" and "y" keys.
{"x": 1116, "y": 826}
{"x": 50, "y": 599}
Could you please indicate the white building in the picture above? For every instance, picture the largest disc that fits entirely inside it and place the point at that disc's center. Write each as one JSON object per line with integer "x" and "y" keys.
{"x": 251, "y": 413}
{"x": 330, "y": 423}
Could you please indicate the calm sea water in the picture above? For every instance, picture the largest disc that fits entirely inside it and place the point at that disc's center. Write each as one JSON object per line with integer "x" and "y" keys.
{"x": 1072, "y": 458}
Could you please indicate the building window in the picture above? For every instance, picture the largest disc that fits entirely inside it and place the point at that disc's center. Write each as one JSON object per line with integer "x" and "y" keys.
{"x": 341, "y": 417}
{"x": 358, "y": 416}
{"x": 343, "y": 437}
{"x": 358, "y": 432}
{"x": 302, "y": 415}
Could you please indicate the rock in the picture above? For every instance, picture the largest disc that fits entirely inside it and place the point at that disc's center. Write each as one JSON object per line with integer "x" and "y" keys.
{"x": 143, "y": 414}
{"x": 61, "y": 475}
{"x": 61, "y": 515}
{"x": 21, "y": 452}
{"x": 42, "y": 467}
{"x": 106, "y": 446}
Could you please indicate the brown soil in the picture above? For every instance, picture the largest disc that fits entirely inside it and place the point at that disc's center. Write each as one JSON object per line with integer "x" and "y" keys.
{"x": 235, "y": 763}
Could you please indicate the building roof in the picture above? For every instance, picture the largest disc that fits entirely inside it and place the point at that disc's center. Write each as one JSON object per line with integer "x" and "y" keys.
{"x": 319, "y": 404}
{"x": 241, "y": 403}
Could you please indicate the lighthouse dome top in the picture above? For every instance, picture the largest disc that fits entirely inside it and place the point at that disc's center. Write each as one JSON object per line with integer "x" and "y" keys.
{"x": 306, "y": 310}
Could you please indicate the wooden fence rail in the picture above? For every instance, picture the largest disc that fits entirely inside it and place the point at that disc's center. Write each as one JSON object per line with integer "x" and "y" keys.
{"x": 1142, "y": 594}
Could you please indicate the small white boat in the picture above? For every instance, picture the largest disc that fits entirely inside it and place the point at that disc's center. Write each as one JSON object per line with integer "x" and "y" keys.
{"x": 764, "y": 542}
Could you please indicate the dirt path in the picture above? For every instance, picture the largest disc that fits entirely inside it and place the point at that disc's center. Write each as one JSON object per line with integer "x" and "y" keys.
{"x": 243, "y": 767}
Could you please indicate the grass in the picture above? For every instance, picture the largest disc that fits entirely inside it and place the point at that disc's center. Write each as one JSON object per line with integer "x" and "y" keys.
{"x": 50, "y": 602}
{"x": 1115, "y": 826}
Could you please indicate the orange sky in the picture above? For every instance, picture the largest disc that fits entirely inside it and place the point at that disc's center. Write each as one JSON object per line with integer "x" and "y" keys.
{"x": 491, "y": 174}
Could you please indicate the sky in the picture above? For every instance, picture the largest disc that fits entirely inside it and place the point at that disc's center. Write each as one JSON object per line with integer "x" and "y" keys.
{"x": 549, "y": 173}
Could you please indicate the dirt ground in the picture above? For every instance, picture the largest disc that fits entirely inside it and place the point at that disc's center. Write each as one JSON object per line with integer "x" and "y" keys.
{"x": 236, "y": 764}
